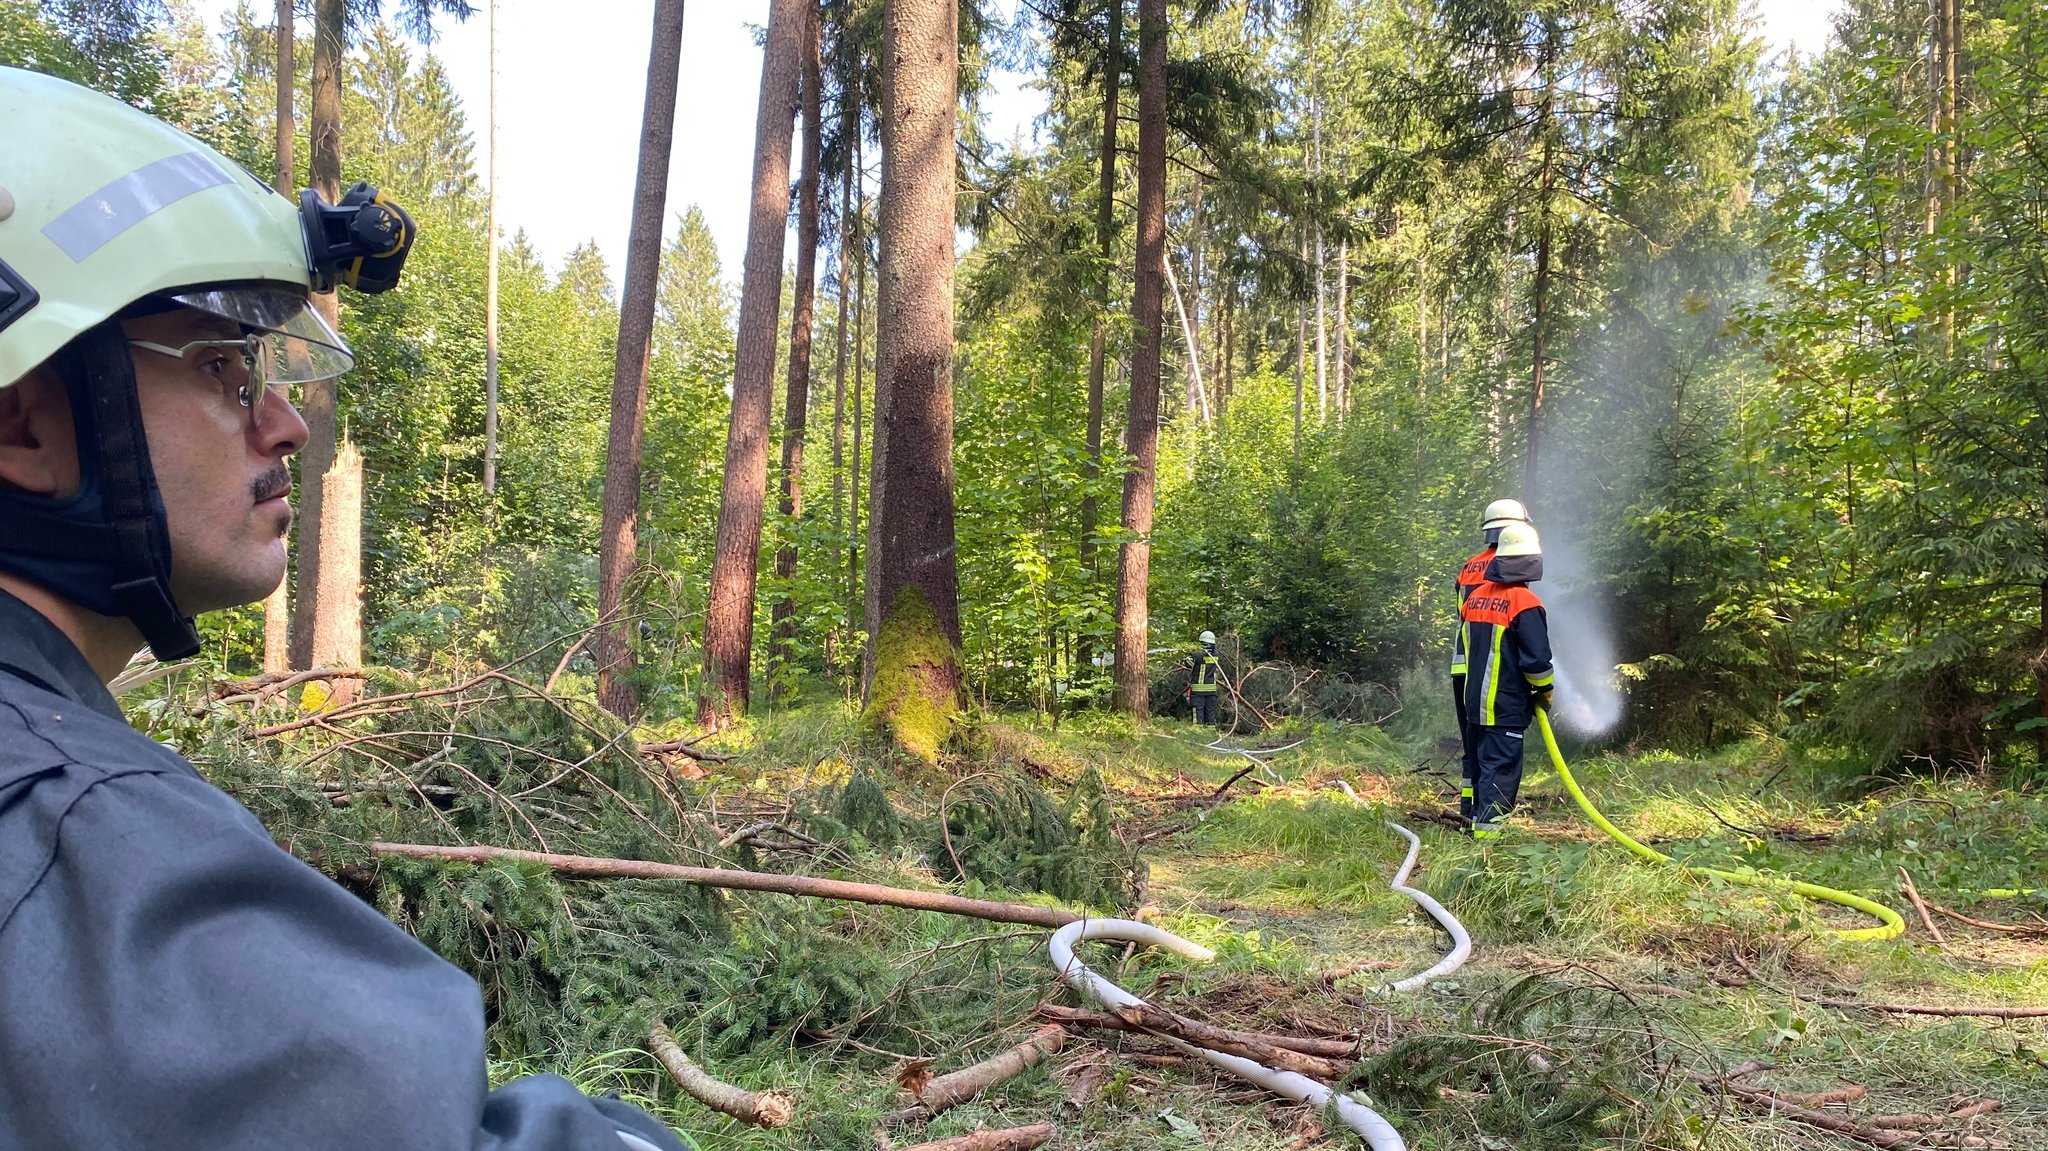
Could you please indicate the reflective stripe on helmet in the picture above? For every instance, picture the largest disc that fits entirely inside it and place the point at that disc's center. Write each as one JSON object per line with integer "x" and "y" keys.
{"x": 87, "y": 226}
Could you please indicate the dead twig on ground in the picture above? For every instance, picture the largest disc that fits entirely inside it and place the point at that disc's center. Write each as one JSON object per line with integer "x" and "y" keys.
{"x": 1104, "y": 1021}
{"x": 1005, "y": 1139}
{"x": 957, "y": 1087}
{"x": 1913, "y": 896}
{"x": 2011, "y": 928}
{"x": 770, "y": 1109}
{"x": 683, "y": 747}
{"x": 1930, "y": 1009}
{"x": 1759, "y": 1100}
{"x": 1162, "y": 1022}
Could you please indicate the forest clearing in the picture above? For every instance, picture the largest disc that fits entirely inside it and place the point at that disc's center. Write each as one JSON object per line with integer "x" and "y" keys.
{"x": 1028, "y": 628}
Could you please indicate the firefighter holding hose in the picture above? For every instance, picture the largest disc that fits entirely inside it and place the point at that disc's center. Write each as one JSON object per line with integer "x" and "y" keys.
{"x": 1506, "y": 638}
{"x": 1498, "y": 515}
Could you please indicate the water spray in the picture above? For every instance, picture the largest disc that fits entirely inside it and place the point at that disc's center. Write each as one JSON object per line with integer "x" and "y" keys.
{"x": 1889, "y": 922}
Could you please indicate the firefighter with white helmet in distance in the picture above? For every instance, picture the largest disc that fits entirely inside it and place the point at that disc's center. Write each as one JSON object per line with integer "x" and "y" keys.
{"x": 1205, "y": 673}
{"x": 1507, "y": 641}
{"x": 1498, "y": 515}
{"x": 169, "y": 977}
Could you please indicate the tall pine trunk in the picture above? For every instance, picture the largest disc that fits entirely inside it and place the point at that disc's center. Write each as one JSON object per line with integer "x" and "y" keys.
{"x": 1141, "y": 437}
{"x": 848, "y": 125}
{"x": 855, "y": 593}
{"x": 1105, "y": 241}
{"x": 797, "y": 399}
{"x": 277, "y": 620}
{"x": 913, "y": 605}
{"x": 317, "y": 398}
{"x": 735, "y": 563}
{"x": 491, "y": 276}
{"x": 1540, "y": 286}
{"x": 621, "y": 512}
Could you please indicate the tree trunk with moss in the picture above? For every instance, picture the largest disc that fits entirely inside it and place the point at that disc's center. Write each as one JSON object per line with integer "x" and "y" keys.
{"x": 913, "y": 601}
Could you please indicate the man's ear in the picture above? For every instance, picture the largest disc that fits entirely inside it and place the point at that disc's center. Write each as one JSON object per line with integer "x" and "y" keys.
{"x": 38, "y": 446}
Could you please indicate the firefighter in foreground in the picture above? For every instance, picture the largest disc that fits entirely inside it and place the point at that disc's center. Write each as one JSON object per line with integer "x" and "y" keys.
{"x": 1207, "y": 673}
{"x": 169, "y": 977}
{"x": 1498, "y": 515}
{"x": 1508, "y": 676}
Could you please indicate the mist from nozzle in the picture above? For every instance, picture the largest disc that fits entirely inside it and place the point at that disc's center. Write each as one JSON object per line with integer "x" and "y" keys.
{"x": 1587, "y": 701}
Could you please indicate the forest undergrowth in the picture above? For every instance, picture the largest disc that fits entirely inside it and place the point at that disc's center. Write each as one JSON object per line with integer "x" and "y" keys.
{"x": 1608, "y": 1002}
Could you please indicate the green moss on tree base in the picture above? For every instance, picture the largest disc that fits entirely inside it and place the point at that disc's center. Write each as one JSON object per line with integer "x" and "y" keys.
{"x": 914, "y": 697}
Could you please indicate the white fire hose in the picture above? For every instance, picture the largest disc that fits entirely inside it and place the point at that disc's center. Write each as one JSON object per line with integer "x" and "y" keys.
{"x": 1378, "y": 1134}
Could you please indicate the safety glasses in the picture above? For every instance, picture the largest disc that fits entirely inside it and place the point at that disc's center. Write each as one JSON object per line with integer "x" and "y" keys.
{"x": 241, "y": 368}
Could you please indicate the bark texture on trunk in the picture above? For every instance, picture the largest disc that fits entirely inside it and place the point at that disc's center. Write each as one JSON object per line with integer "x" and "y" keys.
{"x": 287, "y": 83}
{"x": 619, "y": 533}
{"x": 1141, "y": 437}
{"x": 317, "y": 398}
{"x": 855, "y": 596}
{"x": 491, "y": 277}
{"x": 849, "y": 123}
{"x": 735, "y": 564}
{"x": 277, "y": 619}
{"x": 1105, "y": 240}
{"x": 338, "y": 642}
{"x": 797, "y": 398}
{"x": 912, "y": 595}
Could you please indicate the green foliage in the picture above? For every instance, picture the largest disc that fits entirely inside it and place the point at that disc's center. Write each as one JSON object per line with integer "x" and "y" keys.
{"x": 1008, "y": 832}
{"x": 1595, "y": 1057}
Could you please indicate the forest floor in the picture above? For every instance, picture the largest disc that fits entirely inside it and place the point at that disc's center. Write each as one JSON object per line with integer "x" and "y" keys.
{"x": 1609, "y": 1002}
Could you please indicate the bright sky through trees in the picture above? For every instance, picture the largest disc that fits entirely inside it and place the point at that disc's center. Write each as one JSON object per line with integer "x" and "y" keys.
{"x": 567, "y": 141}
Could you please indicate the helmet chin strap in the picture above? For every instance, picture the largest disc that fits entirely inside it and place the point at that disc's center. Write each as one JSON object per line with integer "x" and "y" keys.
{"x": 107, "y": 548}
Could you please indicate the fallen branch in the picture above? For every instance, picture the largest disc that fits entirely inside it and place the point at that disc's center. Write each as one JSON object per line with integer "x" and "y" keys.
{"x": 1162, "y": 1022}
{"x": 1913, "y": 896}
{"x": 1103, "y": 1021}
{"x": 1925, "y": 1009}
{"x": 682, "y": 747}
{"x": 1005, "y": 1139}
{"x": 1849, "y": 1094}
{"x": 1908, "y": 1122}
{"x": 1980, "y": 1107}
{"x": 2014, "y": 928}
{"x": 1215, "y": 799}
{"x": 593, "y": 867}
{"x": 1759, "y": 1100}
{"x": 770, "y": 1109}
{"x": 957, "y": 1087}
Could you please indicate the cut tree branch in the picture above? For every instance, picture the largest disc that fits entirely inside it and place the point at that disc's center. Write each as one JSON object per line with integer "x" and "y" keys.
{"x": 957, "y": 1087}
{"x": 1757, "y": 1099}
{"x": 594, "y": 867}
{"x": 1005, "y": 1139}
{"x": 769, "y": 1109}
{"x": 1158, "y": 1021}
{"x": 1925, "y": 1009}
{"x": 1103, "y": 1021}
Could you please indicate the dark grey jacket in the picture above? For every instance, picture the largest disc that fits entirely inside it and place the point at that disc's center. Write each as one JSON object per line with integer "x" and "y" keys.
{"x": 170, "y": 978}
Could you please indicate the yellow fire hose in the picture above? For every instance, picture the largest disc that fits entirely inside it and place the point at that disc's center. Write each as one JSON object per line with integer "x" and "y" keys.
{"x": 1890, "y": 923}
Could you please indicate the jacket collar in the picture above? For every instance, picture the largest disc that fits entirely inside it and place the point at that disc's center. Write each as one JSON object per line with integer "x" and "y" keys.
{"x": 32, "y": 648}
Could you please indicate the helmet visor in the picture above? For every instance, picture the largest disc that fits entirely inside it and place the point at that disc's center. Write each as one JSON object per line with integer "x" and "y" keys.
{"x": 298, "y": 346}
